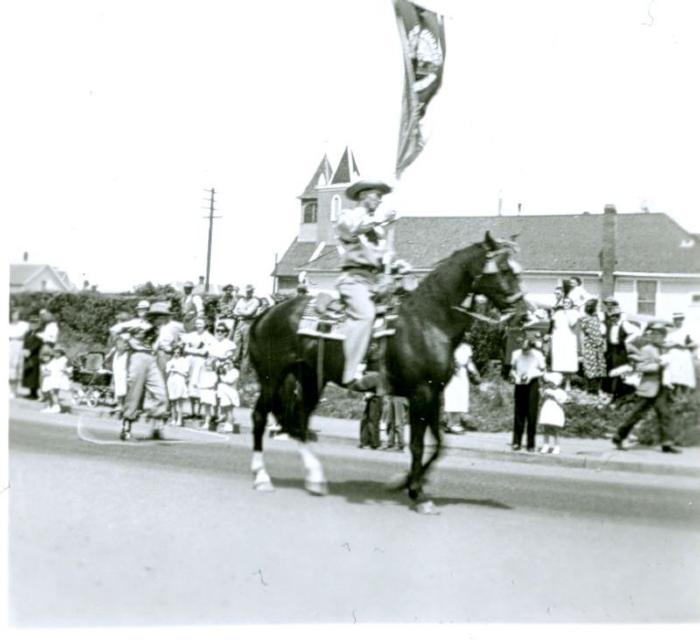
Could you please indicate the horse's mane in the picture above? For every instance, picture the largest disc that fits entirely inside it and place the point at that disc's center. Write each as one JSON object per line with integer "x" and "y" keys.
{"x": 441, "y": 280}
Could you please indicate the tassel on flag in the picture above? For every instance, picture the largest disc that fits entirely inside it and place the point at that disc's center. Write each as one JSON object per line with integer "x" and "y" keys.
{"x": 422, "y": 35}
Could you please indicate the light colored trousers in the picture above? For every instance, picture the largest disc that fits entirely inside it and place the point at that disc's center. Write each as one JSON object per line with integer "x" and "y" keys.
{"x": 356, "y": 290}
{"x": 143, "y": 376}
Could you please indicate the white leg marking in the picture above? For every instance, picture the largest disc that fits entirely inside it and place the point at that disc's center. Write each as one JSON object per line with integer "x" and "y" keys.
{"x": 315, "y": 481}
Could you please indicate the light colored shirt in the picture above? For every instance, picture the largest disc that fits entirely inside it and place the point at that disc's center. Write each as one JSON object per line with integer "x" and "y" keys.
{"x": 50, "y": 333}
{"x": 527, "y": 365}
{"x": 192, "y": 306}
{"x": 135, "y": 330}
{"x": 222, "y": 349}
{"x": 17, "y": 330}
{"x": 197, "y": 344}
{"x": 168, "y": 335}
{"x": 246, "y": 307}
{"x": 362, "y": 237}
{"x": 579, "y": 296}
{"x": 631, "y": 330}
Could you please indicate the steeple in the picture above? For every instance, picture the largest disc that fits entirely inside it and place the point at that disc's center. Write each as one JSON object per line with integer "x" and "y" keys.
{"x": 347, "y": 170}
{"x": 321, "y": 178}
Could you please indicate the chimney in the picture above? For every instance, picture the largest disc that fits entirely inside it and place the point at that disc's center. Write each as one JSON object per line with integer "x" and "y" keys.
{"x": 25, "y": 257}
{"x": 607, "y": 254}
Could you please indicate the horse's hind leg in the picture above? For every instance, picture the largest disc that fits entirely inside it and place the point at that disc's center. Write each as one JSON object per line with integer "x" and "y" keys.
{"x": 261, "y": 479}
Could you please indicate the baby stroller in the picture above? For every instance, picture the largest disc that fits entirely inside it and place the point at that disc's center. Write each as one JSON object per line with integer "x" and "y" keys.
{"x": 94, "y": 381}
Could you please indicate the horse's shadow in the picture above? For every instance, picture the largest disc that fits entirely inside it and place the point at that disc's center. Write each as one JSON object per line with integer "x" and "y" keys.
{"x": 374, "y": 492}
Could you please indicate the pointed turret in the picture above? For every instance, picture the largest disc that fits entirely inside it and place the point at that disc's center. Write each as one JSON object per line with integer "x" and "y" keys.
{"x": 321, "y": 178}
{"x": 347, "y": 170}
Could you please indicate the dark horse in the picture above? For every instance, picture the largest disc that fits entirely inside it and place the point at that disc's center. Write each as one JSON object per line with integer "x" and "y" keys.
{"x": 419, "y": 357}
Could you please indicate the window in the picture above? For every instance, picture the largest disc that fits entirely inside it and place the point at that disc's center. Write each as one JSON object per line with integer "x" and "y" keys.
{"x": 646, "y": 296}
{"x": 310, "y": 212}
{"x": 336, "y": 204}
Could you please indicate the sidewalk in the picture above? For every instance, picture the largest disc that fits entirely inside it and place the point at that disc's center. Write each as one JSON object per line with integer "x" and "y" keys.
{"x": 595, "y": 454}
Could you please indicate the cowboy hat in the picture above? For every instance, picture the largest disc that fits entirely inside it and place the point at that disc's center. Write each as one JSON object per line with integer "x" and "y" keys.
{"x": 657, "y": 326}
{"x": 160, "y": 308}
{"x": 353, "y": 191}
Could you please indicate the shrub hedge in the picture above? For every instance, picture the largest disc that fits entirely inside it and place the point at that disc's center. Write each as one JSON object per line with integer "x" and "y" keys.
{"x": 85, "y": 318}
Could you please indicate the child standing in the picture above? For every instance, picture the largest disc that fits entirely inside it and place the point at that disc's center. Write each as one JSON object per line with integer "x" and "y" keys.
{"x": 208, "y": 382}
{"x": 177, "y": 370}
{"x": 227, "y": 394}
{"x": 552, "y": 415}
{"x": 55, "y": 377}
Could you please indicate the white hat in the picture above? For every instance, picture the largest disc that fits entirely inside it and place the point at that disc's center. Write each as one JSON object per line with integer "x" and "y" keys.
{"x": 555, "y": 378}
{"x": 143, "y": 304}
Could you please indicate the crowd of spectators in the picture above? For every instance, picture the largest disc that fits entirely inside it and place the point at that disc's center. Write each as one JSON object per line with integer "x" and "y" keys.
{"x": 186, "y": 370}
{"x": 192, "y": 372}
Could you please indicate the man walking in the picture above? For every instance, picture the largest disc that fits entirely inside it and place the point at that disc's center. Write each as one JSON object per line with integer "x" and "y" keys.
{"x": 651, "y": 392}
{"x": 144, "y": 375}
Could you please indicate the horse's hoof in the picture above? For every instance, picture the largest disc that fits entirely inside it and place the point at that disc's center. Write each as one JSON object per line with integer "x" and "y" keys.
{"x": 264, "y": 486}
{"x": 125, "y": 436}
{"x": 317, "y": 488}
{"x": 427, "y": 508}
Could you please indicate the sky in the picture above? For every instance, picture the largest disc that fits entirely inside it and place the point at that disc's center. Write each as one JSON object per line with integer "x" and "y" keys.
{"x": 120, "y": 114}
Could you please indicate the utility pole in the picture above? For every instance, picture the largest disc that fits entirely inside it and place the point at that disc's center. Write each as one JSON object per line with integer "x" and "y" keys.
{"x": 211, "y": 226}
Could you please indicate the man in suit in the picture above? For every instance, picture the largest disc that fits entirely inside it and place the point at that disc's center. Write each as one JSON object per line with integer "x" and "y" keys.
{"x": 650, "y": 362}
{"x": 191, "y": 306}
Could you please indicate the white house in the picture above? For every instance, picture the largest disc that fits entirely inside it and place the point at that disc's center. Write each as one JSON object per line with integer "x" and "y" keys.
{"x": 29, "y": 277}
{"x": 646, "y": 261}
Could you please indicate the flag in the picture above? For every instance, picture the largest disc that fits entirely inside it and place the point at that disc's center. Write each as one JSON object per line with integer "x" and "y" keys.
{"x": 423, "y": 40}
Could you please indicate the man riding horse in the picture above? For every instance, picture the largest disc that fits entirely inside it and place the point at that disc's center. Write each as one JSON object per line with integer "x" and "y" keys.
{"x": 362, "y": 235}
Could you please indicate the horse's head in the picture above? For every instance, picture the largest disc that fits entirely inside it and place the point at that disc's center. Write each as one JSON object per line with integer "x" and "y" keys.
{"x": 499, "y": 279}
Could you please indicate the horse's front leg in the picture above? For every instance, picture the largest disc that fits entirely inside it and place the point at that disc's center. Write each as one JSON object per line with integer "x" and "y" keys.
{"x": 261, "y": 479}
{"x": 423, "y": 413}
{"x": 315, "y": 478}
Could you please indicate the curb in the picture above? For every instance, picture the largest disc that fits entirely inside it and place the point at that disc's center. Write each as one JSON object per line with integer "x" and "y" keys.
{"x": 605, "y": 462}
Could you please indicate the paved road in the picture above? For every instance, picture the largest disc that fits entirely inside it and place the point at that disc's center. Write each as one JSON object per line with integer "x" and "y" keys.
{"x": 174, "y": 535}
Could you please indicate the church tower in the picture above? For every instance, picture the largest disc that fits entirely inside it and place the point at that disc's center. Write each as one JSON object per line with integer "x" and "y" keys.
{"x": 324, "y": 198}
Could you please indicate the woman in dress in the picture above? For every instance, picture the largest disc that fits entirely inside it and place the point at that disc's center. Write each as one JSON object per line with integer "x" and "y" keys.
{"x": 196, "y": 345}
{"x": 17, "y": 331}
{"x": 681, "y": 368}
{"x": 456, "y": 395}
{"x": 564, "y": 342}
{"x": 593, "y": 347}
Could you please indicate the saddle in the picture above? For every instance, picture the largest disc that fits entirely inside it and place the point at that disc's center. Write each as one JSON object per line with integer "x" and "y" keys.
{"x": 324, "y": 316}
